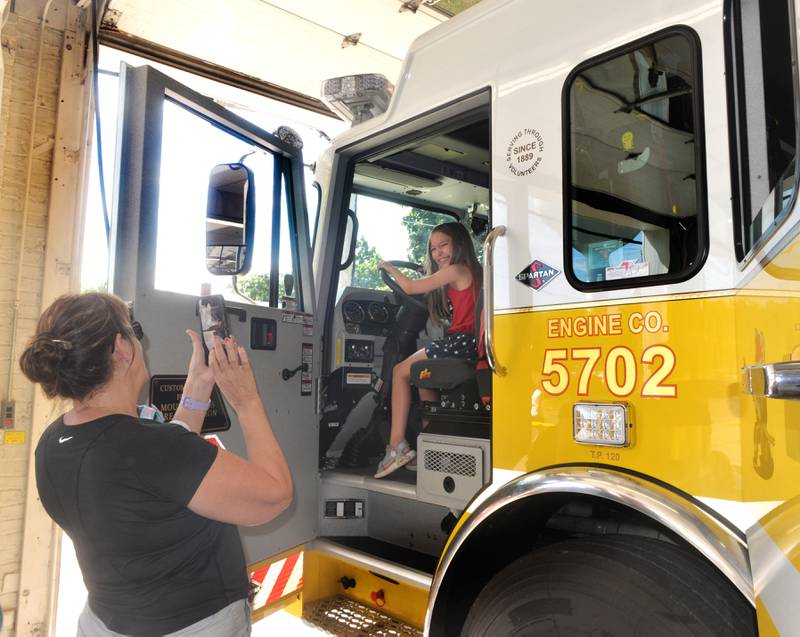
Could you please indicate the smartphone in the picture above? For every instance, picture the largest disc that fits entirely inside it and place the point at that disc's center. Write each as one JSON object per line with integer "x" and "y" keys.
{"x": 213, "y": 320}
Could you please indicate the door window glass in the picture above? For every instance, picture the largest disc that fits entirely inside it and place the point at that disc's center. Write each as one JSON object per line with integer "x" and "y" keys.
{"x": 761, "y": 102}
{"x": 191, "y": 147}
{"x": 634, "y": 207}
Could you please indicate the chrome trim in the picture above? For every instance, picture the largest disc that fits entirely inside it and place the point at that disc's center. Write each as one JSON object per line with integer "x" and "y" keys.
{"x": 778, "y": 380}
{"x": 721, "y": 545}
{"x": 488, "y": 298}
{"x": 371, "y": 563}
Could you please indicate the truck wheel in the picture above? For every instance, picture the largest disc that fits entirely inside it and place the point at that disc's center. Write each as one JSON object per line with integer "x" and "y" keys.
{"x": 610, "y": 585}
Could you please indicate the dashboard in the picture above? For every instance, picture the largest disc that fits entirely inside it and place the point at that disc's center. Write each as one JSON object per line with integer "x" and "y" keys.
{"x": 362, "y": 321}
{"x": 370, "y": 318}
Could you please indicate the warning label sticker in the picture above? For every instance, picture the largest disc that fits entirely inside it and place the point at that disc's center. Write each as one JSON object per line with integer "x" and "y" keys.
{"x": 358, "y": 379}
{"x": 306, "y": 376}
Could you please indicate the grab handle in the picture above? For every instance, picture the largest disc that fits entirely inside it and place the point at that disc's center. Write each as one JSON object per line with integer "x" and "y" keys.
{"x": 776, "y": 380}
{"x": 488, "y": 298}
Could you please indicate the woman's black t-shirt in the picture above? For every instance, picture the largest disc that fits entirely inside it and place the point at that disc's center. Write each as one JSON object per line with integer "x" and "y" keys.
{"x": 119, "y": 488}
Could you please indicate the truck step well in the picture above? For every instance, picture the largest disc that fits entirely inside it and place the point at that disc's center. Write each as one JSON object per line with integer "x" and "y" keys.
{"x": 342, "y": 616}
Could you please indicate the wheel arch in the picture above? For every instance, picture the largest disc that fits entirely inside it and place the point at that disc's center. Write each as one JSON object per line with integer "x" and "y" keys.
{"x": 504, "y": 523}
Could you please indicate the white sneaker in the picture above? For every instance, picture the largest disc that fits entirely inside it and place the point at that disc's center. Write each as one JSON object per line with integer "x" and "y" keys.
{"x": 395, "y": 458}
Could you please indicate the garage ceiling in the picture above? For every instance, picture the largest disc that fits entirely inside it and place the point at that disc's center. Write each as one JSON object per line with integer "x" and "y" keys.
{"x": 285, "y": 44}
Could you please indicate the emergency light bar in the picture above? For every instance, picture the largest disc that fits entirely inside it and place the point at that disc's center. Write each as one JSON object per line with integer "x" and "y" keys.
{"x": 358, "y": 98}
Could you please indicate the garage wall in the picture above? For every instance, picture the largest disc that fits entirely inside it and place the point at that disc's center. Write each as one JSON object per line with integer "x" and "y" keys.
{"x": 32, "y": 178}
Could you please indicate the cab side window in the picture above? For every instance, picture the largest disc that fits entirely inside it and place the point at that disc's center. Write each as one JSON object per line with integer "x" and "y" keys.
{"x": 761, "y": 106}
{"x": 634, "y": 202}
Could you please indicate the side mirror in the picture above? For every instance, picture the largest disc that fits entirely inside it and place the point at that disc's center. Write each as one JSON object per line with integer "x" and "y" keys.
{"x": 230, "y": 216}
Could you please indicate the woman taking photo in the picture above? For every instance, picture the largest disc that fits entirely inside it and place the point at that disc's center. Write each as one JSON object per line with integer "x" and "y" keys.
{"x": 150, "y": 507}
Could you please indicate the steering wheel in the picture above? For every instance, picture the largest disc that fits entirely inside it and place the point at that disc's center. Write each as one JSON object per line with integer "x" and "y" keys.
{"x": 394, "y": 286}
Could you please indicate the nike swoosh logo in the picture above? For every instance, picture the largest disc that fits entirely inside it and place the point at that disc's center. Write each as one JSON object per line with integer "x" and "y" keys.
{"x": 65, "y": 438}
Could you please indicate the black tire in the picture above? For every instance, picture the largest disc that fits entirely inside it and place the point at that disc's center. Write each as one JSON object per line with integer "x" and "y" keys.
{"x": 610, "y": 586}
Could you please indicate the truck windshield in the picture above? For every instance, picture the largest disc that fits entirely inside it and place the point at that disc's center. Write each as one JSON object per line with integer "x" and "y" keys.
{"x": 387, "y": 231}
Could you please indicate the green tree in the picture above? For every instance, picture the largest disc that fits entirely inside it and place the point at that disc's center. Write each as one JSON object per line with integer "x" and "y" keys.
{"x": 366, "y": 273}
{"x": 419, "y": 224}
{"x": 256, "y": 286}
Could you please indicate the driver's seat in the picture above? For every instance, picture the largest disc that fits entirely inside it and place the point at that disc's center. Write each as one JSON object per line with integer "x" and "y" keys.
{"x": 442, "y": 373}
{"x": 465, "y": 387}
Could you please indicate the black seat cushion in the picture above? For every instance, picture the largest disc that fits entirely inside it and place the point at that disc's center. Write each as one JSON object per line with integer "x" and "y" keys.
{"x": 441, "y": 373}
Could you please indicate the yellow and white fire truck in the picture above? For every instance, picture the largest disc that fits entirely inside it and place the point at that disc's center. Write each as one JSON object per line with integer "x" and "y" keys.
{"x": 627, "y": 458}
{"x": 631, "y": 170}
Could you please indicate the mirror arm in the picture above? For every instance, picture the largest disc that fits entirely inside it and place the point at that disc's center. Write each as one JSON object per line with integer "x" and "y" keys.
{"x": 235, "y": 286}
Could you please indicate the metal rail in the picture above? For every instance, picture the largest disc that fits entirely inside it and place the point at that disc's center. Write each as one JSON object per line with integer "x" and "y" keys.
{"x": 488, "y": 298}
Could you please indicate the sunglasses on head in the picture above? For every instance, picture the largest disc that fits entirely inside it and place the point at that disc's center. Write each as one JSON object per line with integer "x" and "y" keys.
{"x": 136, "y": 328}
{"x": 138, "y": 332}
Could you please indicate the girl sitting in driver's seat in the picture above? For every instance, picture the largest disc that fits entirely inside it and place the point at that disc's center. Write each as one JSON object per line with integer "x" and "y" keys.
{"x": 453, "y": 284}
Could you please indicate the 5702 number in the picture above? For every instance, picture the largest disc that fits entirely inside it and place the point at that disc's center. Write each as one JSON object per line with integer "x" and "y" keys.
{"x": 621, "y": 370}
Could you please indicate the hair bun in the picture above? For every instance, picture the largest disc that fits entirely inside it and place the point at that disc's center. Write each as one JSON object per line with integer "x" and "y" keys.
{"x": 70, "y": 355}
{"x": 42, "y": 358}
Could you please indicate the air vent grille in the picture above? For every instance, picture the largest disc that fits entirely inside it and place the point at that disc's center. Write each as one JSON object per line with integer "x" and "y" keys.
{"x": 453, "y": 463}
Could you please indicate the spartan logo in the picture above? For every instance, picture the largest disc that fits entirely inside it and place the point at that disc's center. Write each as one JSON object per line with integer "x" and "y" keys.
{"x": 537, "y": 275}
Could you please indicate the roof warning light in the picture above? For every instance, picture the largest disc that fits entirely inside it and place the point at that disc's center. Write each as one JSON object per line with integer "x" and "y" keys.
{"x": 358, "y": 98}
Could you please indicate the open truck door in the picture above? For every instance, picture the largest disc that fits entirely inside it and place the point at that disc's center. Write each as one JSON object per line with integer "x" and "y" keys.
{"x": 179, "y": 151}
{"x": 764, "y": 122}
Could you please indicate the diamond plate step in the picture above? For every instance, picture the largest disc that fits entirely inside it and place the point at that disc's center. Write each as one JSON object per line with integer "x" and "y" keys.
{"x": 347, "y": 618}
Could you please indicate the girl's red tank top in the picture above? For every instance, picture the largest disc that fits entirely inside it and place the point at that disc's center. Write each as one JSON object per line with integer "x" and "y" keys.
{"x": 463, "y": 302}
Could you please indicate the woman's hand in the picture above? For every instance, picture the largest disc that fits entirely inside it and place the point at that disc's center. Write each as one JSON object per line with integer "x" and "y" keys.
{"x": 233, "y": 374}
{"x": 199, "y": 373}
{"x": 198, "y": 385}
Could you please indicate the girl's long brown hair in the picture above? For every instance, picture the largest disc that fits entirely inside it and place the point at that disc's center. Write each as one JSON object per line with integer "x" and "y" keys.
{"x": 463, "y": 254}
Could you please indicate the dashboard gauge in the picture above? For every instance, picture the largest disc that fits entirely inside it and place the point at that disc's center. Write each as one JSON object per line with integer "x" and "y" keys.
{"x": 353, "y": 312}
{"x": 377, "y": 312}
